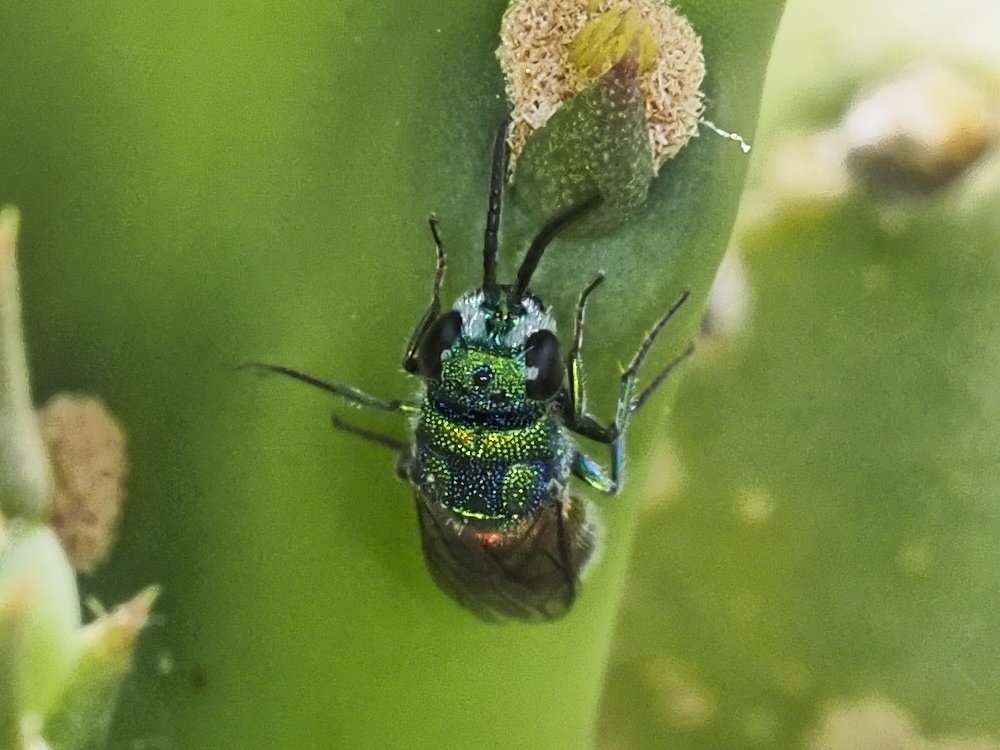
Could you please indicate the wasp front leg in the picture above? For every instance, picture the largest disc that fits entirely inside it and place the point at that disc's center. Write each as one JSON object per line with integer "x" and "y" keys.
{"x": 433, "y": 308}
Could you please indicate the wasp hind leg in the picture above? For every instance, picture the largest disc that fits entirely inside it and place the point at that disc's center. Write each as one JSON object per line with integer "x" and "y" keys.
{"x": 402, "y": 448}
{"x": 370, "y": 435}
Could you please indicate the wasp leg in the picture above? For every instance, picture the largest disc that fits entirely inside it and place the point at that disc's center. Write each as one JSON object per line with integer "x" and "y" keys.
{"x": 593, "y": 474}
{"x": 627, "y": 403}
{"x": 403, "y": 462}
{"x": 573, "y": 362}
{"x": 433, "y": 309}
{"x": 579, "y": 421}
{"x": 347, "y": 392}
{"x": 369, "y": 435}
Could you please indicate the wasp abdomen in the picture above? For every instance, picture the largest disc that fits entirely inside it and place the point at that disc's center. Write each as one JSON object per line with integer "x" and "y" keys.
{"x": 527, "y": 572}
{"x": 490, "y": 478}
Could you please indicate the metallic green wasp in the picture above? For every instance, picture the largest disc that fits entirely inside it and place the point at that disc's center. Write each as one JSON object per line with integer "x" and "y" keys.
{"x": 492, "y": 453}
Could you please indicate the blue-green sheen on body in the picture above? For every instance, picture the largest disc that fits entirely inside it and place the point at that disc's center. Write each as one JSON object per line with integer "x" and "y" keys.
{"x": 488, "y": 454}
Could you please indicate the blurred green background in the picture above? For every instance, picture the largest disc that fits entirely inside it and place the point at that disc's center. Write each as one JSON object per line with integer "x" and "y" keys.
{"x": 206, "y": 184}
{"x": 817, "y": 564}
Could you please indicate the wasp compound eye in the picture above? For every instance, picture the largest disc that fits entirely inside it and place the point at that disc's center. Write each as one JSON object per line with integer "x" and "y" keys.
{"x": 544, "y": 366}
{"x": 438, "y": 339}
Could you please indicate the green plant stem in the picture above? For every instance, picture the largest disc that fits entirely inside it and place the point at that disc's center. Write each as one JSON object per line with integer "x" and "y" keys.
{"x": 25, "y": 484}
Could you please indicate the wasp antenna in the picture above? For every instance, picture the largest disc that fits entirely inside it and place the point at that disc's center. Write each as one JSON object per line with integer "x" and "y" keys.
{"x": 497, "y": 177}
{"x": 542, "y": 240}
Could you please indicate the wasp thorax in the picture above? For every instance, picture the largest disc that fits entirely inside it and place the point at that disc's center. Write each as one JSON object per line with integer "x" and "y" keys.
{"x": 483, "y": 380}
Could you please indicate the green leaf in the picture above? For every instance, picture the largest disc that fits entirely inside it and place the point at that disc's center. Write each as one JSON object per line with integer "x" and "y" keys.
{"x": 13, "y": 611}
{"x": 37, "y": 581}
{"x": 79, "y": 718}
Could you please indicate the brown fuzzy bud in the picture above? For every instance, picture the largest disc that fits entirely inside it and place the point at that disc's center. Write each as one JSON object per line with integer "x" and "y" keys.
{"x": 552, "y": 49}
{"x": 87, "y": 450}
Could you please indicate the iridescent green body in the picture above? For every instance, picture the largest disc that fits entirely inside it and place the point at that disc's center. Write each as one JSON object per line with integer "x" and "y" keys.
{"x": 492, "y": 453}
{"x": 482, "y": 448}
{"x": 491, "y": 466}
{"x": 490, "y": 477}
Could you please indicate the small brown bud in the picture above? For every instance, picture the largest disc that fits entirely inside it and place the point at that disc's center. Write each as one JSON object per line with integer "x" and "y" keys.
{"x": 87, "y": 450}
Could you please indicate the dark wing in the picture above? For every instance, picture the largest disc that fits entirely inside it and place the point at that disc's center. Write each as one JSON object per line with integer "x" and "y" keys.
{"x": 529, "y": 572}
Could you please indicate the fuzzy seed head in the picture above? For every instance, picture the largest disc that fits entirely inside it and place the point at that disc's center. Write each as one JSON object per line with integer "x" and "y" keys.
{"x": 551, "y": 49}
{"x": 87, "y": 450}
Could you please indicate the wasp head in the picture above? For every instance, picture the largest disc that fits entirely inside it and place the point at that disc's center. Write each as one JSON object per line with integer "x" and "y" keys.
{"x": 490, "y": 362}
